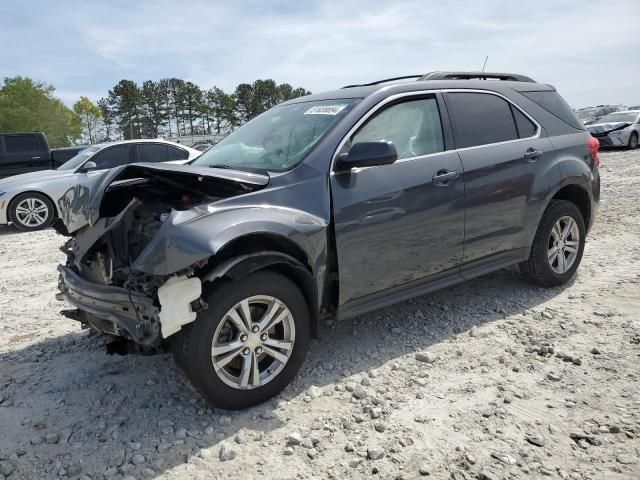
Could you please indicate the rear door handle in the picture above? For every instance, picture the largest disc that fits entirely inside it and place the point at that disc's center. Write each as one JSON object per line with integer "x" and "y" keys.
{"x": 443, "y": 177}
{"x": 35, "y": 158}
{"x": 531, "y": 155}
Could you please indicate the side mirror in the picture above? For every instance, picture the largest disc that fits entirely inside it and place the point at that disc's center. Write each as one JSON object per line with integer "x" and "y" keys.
{"x": 89, "y": 166}
{"x": 367, "y": 154}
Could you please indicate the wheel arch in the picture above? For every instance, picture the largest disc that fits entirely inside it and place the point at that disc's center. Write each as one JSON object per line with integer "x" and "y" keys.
{"x": 13, "y": 199}
{"x": 579, "y": 196}
{"x": 253, "y": 252}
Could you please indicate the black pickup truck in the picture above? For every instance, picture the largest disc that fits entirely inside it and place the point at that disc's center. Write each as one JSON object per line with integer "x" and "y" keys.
{"x": 29, "y": 152}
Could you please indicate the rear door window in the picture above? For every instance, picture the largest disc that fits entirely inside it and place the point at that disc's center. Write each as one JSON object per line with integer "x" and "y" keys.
{"x": 176, "y": 153}
{"x": 112, "y": 157}
{"x": 21, "y": 143}
{"x": 481, "y": 119}
{"x": 413, "y": 126}
{"x": 152, "y": 152}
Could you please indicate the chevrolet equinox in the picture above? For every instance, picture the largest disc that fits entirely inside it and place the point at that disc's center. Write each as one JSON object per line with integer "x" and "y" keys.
{"x": 327, "y": 206}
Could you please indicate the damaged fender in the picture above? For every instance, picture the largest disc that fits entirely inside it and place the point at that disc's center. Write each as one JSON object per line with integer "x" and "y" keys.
{"x": 179, "y": 245}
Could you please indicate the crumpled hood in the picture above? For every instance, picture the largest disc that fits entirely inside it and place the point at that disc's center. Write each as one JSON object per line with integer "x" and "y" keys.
{"x": 604, "y": 128}
{"x": 80, "y": 205}
{"x": 34, "y": 177}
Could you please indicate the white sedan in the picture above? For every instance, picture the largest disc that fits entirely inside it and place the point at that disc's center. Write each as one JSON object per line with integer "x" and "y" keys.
{"x": 29, "y": 200}
{"x": 618, "y": 129}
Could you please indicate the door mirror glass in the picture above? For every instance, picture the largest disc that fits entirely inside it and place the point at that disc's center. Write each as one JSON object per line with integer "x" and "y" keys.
{"x": 367, "y": 154}
{"x": 89, "y": 166}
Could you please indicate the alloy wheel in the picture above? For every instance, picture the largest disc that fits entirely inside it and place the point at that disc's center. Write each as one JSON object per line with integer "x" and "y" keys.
{"x": 563, "y": 246}
{"x": 32, "y": 212}
{"x": 253, "y": 342}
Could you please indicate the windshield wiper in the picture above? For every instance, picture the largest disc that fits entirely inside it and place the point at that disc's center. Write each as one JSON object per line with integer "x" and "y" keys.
{"x": 260, "y": 171}
{"x": 226, "y": 167}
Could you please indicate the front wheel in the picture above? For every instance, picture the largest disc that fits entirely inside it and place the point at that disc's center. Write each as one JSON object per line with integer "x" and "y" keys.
{"x": 557, "y": 248}
{"x": 249, "y": 344}
{"x": 31, "y": 211}
{"x": 633, "y": 141}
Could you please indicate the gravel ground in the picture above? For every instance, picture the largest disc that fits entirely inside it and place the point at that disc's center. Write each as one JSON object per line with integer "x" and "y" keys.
{"x": 490, "y": 379}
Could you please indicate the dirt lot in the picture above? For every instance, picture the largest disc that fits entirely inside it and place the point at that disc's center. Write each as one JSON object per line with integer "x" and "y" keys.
{"x": 490, "y": 379}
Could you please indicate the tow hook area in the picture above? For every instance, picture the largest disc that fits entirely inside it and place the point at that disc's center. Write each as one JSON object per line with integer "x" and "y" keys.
{"x": 176, "y": 297}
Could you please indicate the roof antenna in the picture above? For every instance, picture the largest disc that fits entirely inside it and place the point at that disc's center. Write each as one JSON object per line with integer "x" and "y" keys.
{"x": 485, "y": 62}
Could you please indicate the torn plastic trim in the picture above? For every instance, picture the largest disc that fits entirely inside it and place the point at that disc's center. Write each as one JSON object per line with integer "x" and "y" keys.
{"x": 131, "y": 312}
{"x": 176, "y": 297}
{"x": 87, "y": 238}
{"x": 238, "y": 267}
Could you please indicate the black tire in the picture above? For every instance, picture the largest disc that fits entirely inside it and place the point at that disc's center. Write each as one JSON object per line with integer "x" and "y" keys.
{"x": 22, "y": 224}
{"x": 633, "y": 141}
{"x": 192, "y": 345}
{"x": 537, "y": 267}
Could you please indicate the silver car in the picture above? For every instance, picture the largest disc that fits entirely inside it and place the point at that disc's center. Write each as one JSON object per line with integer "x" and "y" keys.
{"x": 29, "y": 201}
{"x": 619, "y": 129}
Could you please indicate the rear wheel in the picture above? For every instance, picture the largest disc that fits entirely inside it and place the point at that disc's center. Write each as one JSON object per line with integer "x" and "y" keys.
{"x": 633, "y": 141}
{"x": 557, "y": 248}
{"x": 31, "y": 211}
{"x": 249, "y": 344}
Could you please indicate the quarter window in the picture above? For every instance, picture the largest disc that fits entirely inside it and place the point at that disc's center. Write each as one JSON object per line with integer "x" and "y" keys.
{"x": 526, "y": 128}
{"x": 481, "y": 119}
{"x": 176, "y": 153}
{"x": 554, "y": 104}
{"x": 414, "y": 128}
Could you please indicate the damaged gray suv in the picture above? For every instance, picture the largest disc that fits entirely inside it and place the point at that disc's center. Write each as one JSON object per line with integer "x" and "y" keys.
{"x": 327, "y": 206}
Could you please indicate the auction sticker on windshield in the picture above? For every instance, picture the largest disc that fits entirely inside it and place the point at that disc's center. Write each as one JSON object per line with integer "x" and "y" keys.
{"x": 325, "y": 110}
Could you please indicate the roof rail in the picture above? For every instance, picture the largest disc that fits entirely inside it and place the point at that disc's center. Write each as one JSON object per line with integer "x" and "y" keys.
{"x": 405, "y": 77}
{"x": 513, "y": 77}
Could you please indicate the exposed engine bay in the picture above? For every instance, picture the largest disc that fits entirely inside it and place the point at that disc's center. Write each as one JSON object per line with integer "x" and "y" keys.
{"x": 142, "y": 208}
{"x": 100, "y": 277}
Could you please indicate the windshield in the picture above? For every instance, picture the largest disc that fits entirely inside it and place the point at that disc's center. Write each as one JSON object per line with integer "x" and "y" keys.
{"x": 619, "y": 117}
{"x": 79, "y": 159}
{"x": 585, "y": 114}
{"x": 278, "y": 139}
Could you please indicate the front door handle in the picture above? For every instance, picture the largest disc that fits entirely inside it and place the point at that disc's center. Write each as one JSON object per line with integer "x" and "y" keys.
{"x": 35, "y": 158}
{"x": 531, "y": 155}
{"x": 443, "y": 177}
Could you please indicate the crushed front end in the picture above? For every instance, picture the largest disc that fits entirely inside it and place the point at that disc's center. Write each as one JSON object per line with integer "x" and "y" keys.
{"x": 116, "y": 311}
{"x": 611, "y": 134}
{"x": 132, "y": 267}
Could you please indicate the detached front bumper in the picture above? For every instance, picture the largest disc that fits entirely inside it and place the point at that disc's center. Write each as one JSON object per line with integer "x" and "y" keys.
{"x": 129, "y": 314}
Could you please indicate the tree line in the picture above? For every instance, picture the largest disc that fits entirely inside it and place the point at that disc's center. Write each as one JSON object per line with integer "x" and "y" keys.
{"x": 174, "y": 107}
{"x": 168, "y": 107}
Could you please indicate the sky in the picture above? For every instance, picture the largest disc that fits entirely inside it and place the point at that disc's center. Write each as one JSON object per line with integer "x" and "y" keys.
{"x": 589, "y": 50}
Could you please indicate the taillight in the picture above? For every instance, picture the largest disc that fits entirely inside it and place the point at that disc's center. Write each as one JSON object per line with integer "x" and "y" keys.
{"x": 594, "y": 146}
